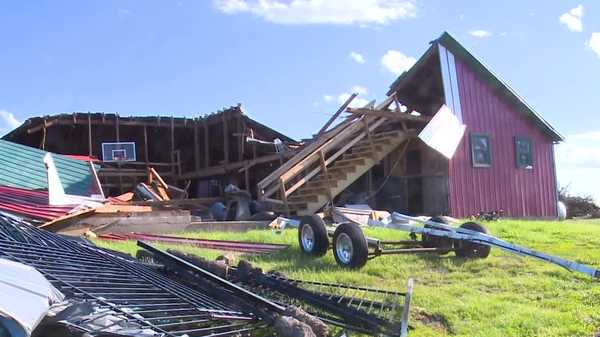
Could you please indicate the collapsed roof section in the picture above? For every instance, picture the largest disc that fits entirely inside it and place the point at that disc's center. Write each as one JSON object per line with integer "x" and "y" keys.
{"x": 36, "y": 124}
{"x": 22, "y": 167}
{"x": 221, "y": 145}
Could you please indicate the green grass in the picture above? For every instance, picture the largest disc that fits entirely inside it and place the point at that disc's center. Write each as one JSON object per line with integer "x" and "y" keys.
{"x": 503, "y": 295}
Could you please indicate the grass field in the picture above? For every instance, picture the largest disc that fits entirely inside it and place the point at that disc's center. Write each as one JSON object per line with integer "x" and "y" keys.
{"x": 503, "y": 295}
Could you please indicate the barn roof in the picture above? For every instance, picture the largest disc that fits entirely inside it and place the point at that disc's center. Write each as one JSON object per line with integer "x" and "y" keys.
{"x": 486, "y": 74}
{"x": 22, "y": 166}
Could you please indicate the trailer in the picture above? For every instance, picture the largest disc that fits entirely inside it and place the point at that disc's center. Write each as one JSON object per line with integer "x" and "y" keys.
{"x": 352, "y": 249}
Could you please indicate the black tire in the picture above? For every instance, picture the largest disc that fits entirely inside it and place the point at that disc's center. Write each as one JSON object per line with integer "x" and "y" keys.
{"x": 430, "y": 241}
{"x": 320, "y": 242}
{"x": 352, "y": 235}
{"x": 469, "y": 249}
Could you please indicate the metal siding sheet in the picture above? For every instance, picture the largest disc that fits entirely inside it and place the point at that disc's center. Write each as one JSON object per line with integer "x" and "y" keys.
{"x": 22, "y": 166}
{"x": 519, "y": 192}
{"x": 30, "y": 204}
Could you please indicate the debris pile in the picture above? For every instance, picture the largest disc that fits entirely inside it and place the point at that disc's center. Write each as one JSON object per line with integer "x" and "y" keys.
{"x": 361, "y": 309}
{"x": 96, "y": 291}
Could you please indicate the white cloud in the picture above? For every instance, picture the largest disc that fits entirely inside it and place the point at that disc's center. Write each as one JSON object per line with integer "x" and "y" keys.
{"x": 322, "y": 11}
{"x": 357, "y": 102}
{"x": 594, "y": 43}
{"x": 359, "y": 89}
{"x": 357, "y": 57}
{"x": 480, "y": 33}
{"x": 578, "y": 162}
{"x": 396, "y": 62}
{"x": 8, "y": 121}
{"x": 572, "y": 19}
{"x": 232, "y": 6}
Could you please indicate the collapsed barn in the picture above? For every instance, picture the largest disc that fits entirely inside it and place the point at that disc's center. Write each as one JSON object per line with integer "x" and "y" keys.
{"x": 206, "y": 152}
{"x": 504, "y": 162}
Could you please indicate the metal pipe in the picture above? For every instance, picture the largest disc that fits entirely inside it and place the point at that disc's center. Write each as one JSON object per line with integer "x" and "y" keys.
{"x": 443, "y": 230}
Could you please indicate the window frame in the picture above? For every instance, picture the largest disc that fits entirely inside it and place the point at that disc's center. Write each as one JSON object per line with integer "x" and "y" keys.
{"x": 528, "y": 166}
{"x": 489, "y": 142}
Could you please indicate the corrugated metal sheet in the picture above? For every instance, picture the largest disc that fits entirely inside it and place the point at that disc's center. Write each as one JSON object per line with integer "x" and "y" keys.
{"x": 30, "y": 204}
{"x": 22, "y": 166}
{"x": 519, "y": 192}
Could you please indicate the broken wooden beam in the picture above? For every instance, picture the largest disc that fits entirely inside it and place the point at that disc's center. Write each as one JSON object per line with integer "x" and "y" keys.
{"x": 400, "y": 116}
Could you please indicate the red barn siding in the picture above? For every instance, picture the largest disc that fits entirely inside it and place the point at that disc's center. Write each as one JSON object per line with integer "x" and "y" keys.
{"x": 519, "y": 192}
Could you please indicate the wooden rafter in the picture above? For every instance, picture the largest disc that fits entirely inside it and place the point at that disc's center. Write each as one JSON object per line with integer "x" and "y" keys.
{"x": 392, "y": 115}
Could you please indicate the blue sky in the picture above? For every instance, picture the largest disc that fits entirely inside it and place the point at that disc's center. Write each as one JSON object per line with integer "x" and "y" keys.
{"x": 290, "y": 62}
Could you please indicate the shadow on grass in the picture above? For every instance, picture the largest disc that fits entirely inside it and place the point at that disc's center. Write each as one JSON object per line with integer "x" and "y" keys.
{"x": 291, "y": 259}
{"x": 438, "y": 260}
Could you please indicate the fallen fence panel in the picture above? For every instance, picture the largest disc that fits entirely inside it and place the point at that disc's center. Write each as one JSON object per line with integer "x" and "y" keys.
{"x": 123, "y": 287}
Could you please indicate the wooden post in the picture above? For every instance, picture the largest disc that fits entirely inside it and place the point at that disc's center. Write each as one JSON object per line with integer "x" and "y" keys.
{"x": 178, "y": 154}
{"x": 206, "y": 144}
{"x": 247, "y": 178}
{"x": 118, "y": 163}
{"x": 196, "y": 147}
{"x": 225, "y": 138}
{"x": 242, "y": 130}
{"x": 146, "y": 146}
{"x": 89, "y": 134}
{"x": 117, "y": 128}
{"x": 284, "y": 197}
{"x": 326, "y": 176}
{"x": 336, "y": 115}
{"x": 371, "y": 143}
{"x": 172, "y": 145}
{"x": 253, "y": 145}
{"x": 43, "y": 144}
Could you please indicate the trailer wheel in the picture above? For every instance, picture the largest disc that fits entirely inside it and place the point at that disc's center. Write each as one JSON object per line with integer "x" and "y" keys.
{"x": 469, "y": 249}
{"x": 350, "y": 247}
{"x": 312, "y": 235}
{"x": 431, "y": 241}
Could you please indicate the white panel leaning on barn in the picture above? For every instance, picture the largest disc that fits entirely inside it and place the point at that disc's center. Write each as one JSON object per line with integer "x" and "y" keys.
{"x": 445, "y": 130}
{"x": 443, "y": 133}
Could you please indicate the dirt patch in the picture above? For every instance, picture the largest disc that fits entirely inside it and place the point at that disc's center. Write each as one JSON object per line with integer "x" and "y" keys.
{"x": 319, "y": 328}
{"x": 435, "y": 321}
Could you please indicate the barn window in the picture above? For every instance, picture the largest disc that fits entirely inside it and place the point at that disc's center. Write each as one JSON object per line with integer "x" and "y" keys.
{"x": 480, "y": 150}
{"x": 524, "y": 151}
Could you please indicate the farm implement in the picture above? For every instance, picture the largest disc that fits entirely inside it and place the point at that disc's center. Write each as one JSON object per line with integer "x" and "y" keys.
{"x": 352, "y": 249}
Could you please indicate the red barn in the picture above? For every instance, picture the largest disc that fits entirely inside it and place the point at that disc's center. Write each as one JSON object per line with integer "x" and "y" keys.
{"x": 506, "y": 157}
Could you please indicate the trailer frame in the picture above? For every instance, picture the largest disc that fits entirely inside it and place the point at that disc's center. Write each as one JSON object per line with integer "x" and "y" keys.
{"x": 352, "y": 248}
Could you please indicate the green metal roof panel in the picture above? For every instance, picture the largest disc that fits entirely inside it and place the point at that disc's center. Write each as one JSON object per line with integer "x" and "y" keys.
{"x": 22, "y": 166}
